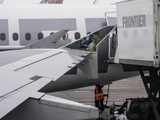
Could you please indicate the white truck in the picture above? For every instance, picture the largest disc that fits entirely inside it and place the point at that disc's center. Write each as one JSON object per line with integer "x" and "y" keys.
{"x": 138, "y": 33}
{"x": 134, "y": 109}
{"x": 138, "y": 30}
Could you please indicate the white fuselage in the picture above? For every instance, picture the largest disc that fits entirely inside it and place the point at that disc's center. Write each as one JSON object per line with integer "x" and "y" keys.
{"x": 21, "y": 24}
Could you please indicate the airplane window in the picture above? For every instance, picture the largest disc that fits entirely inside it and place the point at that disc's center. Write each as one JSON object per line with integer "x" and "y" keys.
{"x": 65, "y": 37}
{"x": 51, "y": 33}
{"x": 15, "y": 36}
{"x": 3, "y": 36}
{"x": 51, "y": 2}
{"x": 77, "y": 35}
{"x": 28, "y": 36}
{"x": 40, "y": 36}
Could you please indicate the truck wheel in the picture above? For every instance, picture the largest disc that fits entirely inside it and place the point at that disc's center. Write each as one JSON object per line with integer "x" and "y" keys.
{"x": 100, "y": 118}
{"x": 113, "y": 118}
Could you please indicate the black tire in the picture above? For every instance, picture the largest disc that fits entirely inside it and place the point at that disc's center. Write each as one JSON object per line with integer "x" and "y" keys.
{"x": 113, "y": 118}
{"x": 100, "y": 118}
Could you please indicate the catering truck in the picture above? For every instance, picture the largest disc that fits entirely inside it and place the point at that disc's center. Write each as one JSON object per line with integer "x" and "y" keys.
{"x": 138, "y": 30}
{"x": 138, "y": 24}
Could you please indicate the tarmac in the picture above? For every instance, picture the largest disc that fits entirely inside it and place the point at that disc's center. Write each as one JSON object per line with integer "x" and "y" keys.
{"x": 118, "y": 92}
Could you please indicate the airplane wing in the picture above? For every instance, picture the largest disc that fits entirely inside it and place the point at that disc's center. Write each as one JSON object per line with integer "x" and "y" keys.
{"x": 47, "y": 42}
{"x": 24, "y": 72}
{"x": 22, "y": 76}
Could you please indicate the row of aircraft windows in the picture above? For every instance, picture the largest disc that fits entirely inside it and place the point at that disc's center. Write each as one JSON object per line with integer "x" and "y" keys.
{"x": 3, "y": 36}
{"x": 15, "y": 36}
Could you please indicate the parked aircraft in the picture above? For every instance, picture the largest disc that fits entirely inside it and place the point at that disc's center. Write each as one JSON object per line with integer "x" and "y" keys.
{"x": 27, "y": 74}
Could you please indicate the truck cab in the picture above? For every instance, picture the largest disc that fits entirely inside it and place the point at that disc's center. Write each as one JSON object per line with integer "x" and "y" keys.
{"x": 135, "y": 109}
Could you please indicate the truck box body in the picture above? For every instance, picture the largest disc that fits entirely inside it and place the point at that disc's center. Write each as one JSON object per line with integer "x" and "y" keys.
{"x": 138, "y": 32}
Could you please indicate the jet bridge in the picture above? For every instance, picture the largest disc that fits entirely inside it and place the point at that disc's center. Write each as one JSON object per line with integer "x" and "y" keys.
{"x": 139, "y": 44}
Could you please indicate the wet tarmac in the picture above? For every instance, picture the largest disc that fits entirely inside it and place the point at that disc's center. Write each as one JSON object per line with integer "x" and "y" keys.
{"x": 118, "y": 92}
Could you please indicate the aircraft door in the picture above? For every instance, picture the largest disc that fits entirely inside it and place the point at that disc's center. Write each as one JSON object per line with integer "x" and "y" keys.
{"x": 111, "y": 18}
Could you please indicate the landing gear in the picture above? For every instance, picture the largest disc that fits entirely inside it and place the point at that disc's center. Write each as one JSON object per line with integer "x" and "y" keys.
{"x": 152, "y": 86}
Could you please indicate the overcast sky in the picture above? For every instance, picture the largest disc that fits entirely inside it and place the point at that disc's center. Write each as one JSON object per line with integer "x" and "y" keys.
{"x": 64, "y": 1}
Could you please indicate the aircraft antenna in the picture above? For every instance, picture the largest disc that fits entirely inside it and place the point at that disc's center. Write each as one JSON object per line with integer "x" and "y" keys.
{"x": 95, "y": 2}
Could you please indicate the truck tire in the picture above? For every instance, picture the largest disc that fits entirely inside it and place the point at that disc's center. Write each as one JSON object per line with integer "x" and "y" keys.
{"x": 113, "y": 118}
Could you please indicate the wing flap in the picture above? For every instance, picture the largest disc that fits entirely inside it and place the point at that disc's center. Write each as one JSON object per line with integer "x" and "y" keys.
{"x": 13, "y": 99}
{"x": 52, "y": 64}
{"x": 30, "y": 59}
{"x": 62, "y": 62}
{"x": 10, "y": 81}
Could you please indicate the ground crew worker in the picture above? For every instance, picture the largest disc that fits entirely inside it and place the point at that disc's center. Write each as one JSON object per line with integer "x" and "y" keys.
{"x": 99, "y": 97}
{"x": 87, "y": 42}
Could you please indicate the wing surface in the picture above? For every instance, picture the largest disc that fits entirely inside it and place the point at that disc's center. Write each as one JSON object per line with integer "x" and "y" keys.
{"x": 22, "y": 76}
{"x": 47, "y": 42}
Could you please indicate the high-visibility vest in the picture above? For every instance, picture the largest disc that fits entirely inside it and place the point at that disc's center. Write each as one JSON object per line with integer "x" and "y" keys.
{"x": 98, "y": 95}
